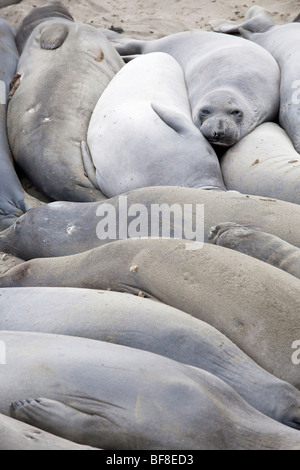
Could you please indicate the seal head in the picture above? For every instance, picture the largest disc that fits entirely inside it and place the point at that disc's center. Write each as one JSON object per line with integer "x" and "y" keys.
{"x": 220, "y": 116}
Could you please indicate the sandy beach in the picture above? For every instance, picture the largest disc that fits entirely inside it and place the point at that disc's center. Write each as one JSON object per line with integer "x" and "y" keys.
{"x": 153, "y": 19}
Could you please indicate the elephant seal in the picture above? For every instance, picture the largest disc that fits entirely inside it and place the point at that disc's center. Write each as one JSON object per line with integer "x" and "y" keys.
{"x": 282, "y": 41}
{"x": 113, "y": 397}
{"x": 62, "y": 71}
{"x": 264, "y": 163}
{"x": 146, "y": 105}
{"x": 36, "y": 16}
{"x": 7, "y": 3}
{"x": 140, "y": 323}
{"x": 247, "y": 300}
{"x": 16, "y": 435}
{"x": 261, "y": 245}
{"x": 67, "y": 228}
{"x": 13, "y": 200}
{"x": 232, "y": 86}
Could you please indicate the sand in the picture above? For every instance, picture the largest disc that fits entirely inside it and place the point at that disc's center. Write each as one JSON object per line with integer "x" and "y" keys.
{"x": 153, "y": 19}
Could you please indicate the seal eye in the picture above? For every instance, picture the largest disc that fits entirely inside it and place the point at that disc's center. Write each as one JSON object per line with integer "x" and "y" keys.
{"x": 237, "y": 113}
{"x": 204, "y": 112}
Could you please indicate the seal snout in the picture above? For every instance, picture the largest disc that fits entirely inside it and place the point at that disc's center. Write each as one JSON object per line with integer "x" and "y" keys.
{"x": 220, "y": 131}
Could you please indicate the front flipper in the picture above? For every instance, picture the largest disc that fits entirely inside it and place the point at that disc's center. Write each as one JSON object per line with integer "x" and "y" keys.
{"x": 53, "y": 36}
{"x": 56, "y": 418}
{"x": 173, "y": 118}
{"x": 89, "y": 164}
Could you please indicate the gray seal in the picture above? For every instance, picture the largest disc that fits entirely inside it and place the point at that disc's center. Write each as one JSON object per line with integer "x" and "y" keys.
{"x": 114, "y": 397}
{"x": 146, "y": 105}
{"x": 264, "y": 163}
{"x": 7, "y": 3}
{"x": 244, "y": 298}
{"x": 16, "y": 435}
{"x": 141, "y": 323}
{"x": 282, "y": 41}
{"x": 67, "y": 228}
{"x": 233, "y": 87}
{"x": 13, "y": 200}
{"x": 62, "y": 71}
{"x": 261, "y": 245}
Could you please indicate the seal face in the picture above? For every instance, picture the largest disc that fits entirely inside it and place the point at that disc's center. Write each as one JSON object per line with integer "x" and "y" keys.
{"x": 219, "y": 117}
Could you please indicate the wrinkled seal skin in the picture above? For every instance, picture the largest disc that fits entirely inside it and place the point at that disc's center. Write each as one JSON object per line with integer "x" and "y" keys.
{"x": 146, "y": 105}
{"x": 283, "y": 42}
{"x": 21, "y": 436}
{"x": 261, "y": 245}
{"x": 232, "y": 86}
{"x": 67, "y": 228}
{"x": 113, "y": 397}
{"x": 13, "y": 201}
{"x": 193, "y": 281}
{"x": 36, "y": 17}
{"x": 139, "y": 323}
{"x": 63, "y": 70}
{"x": 264, "y": 163}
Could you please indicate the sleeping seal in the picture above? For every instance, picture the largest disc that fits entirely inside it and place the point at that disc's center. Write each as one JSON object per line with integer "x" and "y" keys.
{"x": 261, "y": 245}
{"x": 283, "y": 42}
{"x": 232, "y": 86}
{"x": 13, "y": 200}
{"x": 62, "y": 72}
{"x": 67, "y": 228}
{"x": 249, "y": 301}
{"x": 114, "y": 397}
{"x": 141, "y": 132}
{"x": 141, "y": 323}
{"x": 264, "y": 163}
{"x": 16, "y": 435}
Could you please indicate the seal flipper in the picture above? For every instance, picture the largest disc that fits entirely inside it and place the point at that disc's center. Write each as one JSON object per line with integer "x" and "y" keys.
{"x": 258, "y": 20}
{"x": 88, "y": 164}
{"x": 173, "y": 118}
{"x": 53, "y": 36}
{"x": 57, "y": 418}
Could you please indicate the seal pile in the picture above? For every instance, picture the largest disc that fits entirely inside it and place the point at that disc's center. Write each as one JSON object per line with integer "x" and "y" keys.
{"x": 148, "y": 340}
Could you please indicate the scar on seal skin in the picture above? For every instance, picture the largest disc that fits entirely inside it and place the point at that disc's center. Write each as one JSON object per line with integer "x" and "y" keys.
{"x": 14, "y": 85}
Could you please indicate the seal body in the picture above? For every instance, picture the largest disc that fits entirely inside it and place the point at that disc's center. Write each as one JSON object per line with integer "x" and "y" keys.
{"x": 264, "y": 163}
{"x": 13, "y": 201}
{"x": 146, "y": 105}
{"x": 16, "y": 435}
{"x": 233, "y": 87}
{"x": 62, "y": 71}
{"x": 193, "y": 281}
{"x": 283, "y": 42}
{"x": 113, "y": 397}
{"x": 140, "y": 323}
{"x": 260, "y": 245}
{"x": 67, "y": 228}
